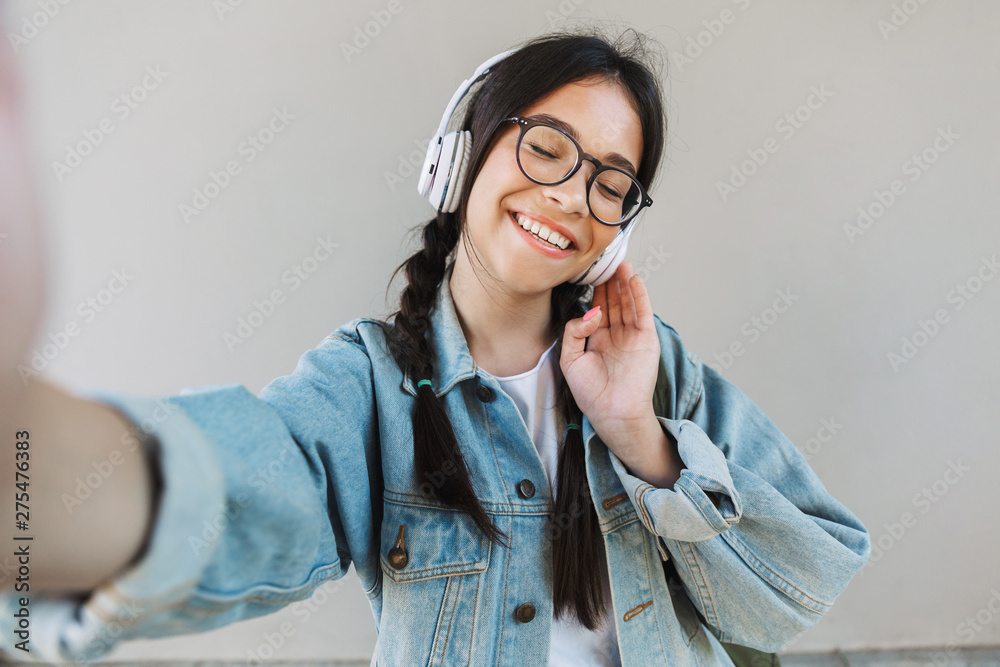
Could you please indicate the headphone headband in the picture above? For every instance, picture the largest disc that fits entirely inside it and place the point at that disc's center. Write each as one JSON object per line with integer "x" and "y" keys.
{"x": 478, "y": 75}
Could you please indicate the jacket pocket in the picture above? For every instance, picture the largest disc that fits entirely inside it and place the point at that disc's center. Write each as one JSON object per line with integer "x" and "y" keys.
{"x": 684, "y": 610}
{"x": 422, "y": 541}
{"x": 432, "y": 559}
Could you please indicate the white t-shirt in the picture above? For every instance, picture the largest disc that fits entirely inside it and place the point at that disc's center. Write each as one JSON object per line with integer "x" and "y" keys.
{"x": 572, "y": 645}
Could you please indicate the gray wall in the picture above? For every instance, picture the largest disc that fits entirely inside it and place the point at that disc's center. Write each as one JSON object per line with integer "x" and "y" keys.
{"x": 892, "y": 86}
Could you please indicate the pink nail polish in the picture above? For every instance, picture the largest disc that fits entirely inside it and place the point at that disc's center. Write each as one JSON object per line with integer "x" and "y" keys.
{"x": 590, "y": 313}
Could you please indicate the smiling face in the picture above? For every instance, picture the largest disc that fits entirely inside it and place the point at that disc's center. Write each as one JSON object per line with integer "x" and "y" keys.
{"x": 606, "y": 126}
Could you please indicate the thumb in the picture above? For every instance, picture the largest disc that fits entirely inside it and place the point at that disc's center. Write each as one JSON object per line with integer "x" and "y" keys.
{"x": 575, "y": 336}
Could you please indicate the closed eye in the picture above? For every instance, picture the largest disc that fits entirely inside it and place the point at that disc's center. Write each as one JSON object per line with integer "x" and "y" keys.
{"x": 614, "y": 194}
{"x": 541, "y": 151}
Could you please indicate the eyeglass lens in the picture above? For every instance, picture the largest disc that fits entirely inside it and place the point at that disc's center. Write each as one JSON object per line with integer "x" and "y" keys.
{"x": 547, "y": 155}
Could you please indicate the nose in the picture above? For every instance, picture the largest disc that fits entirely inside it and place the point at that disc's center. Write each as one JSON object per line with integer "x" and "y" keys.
{"x": 571, "y": 194}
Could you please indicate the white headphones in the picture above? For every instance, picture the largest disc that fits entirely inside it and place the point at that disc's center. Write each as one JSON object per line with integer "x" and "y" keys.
{"x": 447, "y": 162}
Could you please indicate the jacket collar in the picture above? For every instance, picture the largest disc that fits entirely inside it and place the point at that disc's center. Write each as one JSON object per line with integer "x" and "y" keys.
{"x": 453, "y": 361}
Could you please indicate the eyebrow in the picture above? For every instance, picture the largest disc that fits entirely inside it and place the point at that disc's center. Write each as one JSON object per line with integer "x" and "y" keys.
{"x": 614, "y": 159}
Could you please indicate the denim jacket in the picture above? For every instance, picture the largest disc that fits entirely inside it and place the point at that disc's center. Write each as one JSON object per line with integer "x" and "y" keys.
{"x": 265, "y": 498}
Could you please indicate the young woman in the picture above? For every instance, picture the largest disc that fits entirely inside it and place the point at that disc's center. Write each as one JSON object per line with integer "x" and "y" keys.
{"x": 490, "y": 460}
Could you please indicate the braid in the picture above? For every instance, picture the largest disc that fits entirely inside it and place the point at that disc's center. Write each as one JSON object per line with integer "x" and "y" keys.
{"x": 424, "y": 271}
{"x": 577, "y": 543}
{"x": 435, "y": 447}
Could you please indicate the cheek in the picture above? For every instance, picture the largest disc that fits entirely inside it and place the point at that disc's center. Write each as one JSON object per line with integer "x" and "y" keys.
{"x": 481, "y": 187}
{"x": 498, "y": 177}
{"x": 603, "y": 237}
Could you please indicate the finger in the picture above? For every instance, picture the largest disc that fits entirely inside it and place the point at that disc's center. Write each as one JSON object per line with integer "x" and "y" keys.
{"x": 575, "y": 337}
{"x": 601, "y": 299}
{"x": 643, "y": 306}
{"x": 615, "y": 298}
{"x": 628, "y": 298}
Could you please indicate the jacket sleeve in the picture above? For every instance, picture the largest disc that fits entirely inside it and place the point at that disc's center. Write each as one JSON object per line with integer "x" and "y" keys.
{"x": 262, "y": 500}
{"x": 761, "y": 547}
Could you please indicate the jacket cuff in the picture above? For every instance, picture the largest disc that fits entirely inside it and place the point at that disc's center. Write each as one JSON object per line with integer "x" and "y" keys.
{"x": 687, "y": 513}
{"x": 168, "y": 567}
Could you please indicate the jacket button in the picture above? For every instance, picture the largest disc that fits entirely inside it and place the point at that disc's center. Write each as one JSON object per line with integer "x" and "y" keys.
{"x": 525, "y": 612}
{"x": 484, "y": 393}
{"x": 526, "y": 488}
{"x": 398, "y": 558}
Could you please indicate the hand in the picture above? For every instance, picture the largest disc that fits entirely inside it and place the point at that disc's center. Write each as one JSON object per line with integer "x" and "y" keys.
{"x": 22, "y": 260}
{"x": 613, "y": 380}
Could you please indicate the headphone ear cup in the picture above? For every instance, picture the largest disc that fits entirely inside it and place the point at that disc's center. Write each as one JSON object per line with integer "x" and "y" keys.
{"x": 463, "y": 156}
{"x": 606, "y": 265}
{"x": 442, "y": 171}
{"x": 429, "y": 168}
{"x": 452, "y": 152}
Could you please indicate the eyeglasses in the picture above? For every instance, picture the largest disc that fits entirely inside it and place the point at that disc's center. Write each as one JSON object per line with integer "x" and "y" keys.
{"x": 549, "y": 156}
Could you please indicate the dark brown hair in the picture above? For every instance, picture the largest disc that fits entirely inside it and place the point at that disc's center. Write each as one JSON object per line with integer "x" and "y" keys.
{"x": 536, "y": 69}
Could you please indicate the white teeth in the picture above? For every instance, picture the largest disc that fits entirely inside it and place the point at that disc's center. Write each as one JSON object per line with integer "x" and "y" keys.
{"x": 543, "y": 232}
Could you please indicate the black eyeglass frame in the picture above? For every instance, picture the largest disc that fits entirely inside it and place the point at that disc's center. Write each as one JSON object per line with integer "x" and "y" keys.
{"x": 581, "y": 155}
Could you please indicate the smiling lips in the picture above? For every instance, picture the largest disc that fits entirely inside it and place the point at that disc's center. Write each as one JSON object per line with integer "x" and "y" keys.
{"x": 541, "y": 232}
